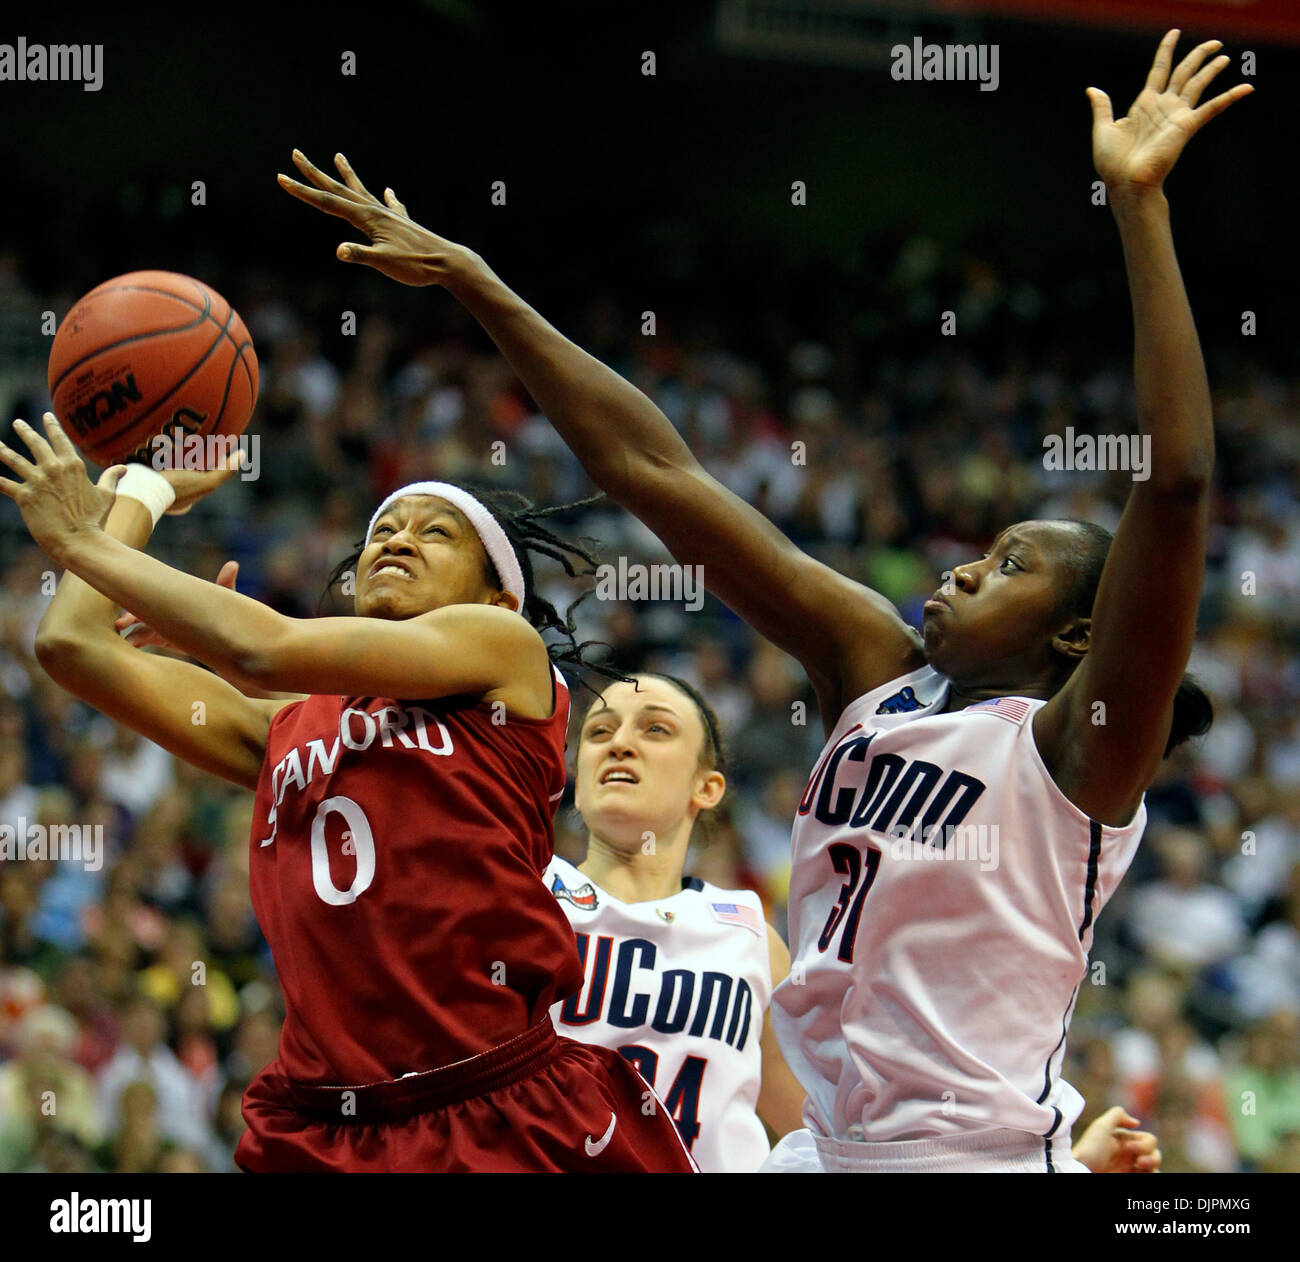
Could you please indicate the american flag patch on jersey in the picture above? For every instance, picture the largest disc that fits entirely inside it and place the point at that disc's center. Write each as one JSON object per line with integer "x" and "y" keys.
{"x": 731, "y": 914}
{"x": 1013, "y": 709}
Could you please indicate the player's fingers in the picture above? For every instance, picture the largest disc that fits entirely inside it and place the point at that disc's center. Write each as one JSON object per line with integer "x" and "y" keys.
{"x": 229, "y": 573}
{"x": 35, "y": 443}
{"x": 1192, "y": 92}
{"x": 111, "y": 476}
{"x": 351, "y": 178}
{"x": 390, "y": 199}
{"x": 1217, "y": 104}
{"x": 328, "y": 202}
{"x": 142, "y": 635}
{"x": 351, "y": 252}
{"x": 1101, "y": 110}
{"x": 318, "y": 177}
{"x": 1191, "y": 63}
{"x": 18, "y": 463}
{"x": 59, "y": 441}
{"x": 1159, "y": 74}
{"x": 1111, "y": 1117}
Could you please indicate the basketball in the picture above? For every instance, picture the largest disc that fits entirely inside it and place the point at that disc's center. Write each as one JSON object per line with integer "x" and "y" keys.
{"x": 145, "y": 353}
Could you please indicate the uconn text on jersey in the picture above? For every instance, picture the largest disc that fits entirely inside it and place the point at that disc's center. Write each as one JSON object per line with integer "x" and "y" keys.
{"x": 685, "y": 999}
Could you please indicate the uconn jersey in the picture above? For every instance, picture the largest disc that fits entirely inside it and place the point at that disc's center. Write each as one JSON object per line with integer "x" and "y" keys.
{"x": 679, "y": 987}
{"x": 942, "y": 903}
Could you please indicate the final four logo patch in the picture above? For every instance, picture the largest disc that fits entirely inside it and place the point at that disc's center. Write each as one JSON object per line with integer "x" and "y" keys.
{"x": 584, "y": 896}
{"x": 901, "y": 702}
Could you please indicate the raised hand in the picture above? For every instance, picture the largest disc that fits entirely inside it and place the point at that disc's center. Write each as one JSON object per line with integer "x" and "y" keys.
{"x": 55, "y": 496}
{"x": 399, "y": 247}
{"x": 1138, "y": 152}
{"x": 191, "y": 485}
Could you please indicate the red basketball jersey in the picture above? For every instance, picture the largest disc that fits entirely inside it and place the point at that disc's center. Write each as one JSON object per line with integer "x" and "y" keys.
{"x": 396, "y": 870}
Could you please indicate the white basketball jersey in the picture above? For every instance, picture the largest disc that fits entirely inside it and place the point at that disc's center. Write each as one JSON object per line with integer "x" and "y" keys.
{"x": 679, "y": 987}
{"x": 942, "y": 901}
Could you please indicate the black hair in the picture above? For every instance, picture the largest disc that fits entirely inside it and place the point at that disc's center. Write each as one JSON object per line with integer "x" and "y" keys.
{"x": 1086, "y": 556}
{"x": 521, "y": 521}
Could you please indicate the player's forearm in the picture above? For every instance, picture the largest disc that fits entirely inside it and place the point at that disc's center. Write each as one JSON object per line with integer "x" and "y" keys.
{"x": 617, "y": 433}
{"x": 78, "y": 611}
{"x": 1173, "y": 395}
{"x": 219, "y": 627}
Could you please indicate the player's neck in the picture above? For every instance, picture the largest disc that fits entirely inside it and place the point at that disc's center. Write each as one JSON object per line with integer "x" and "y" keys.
{"x": 644, "y": 874}
{"x": 958, "y": 700}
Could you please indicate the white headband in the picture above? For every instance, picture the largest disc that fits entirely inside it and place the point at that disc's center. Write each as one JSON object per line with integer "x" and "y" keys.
{"x": 494, "y": 539}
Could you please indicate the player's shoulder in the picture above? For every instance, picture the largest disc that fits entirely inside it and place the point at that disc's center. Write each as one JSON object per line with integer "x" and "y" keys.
{"x": 306, "y": 709}
{"x": 919, "y": 692}
{"x": 492, "y": 717}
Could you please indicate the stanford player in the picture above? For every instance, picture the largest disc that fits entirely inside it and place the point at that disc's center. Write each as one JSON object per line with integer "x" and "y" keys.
{"x": 402, "y": 824}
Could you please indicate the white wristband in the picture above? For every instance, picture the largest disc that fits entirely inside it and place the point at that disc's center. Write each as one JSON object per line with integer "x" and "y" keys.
{"x": 148, "y": 487}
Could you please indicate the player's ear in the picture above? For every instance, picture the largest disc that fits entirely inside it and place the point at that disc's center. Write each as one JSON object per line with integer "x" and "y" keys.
{"x": 507, "y": 600}
{"x": 710, "y": 791}
{"x": 1073, "y": 639}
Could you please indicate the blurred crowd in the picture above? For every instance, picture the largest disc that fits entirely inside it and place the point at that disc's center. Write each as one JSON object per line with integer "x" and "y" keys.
{"x": 137, "y": 1000}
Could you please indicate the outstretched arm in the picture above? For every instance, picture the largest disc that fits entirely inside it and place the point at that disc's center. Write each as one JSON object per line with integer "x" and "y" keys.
{"x": 459, "y": 649}
{"x": 1144, "y": 616}
{"x": 178, "y": 705}
{"x": 848, "y": 638}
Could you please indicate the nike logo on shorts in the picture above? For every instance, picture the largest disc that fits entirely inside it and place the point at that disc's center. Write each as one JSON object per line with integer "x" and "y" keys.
{"x": 595, "y": 1147}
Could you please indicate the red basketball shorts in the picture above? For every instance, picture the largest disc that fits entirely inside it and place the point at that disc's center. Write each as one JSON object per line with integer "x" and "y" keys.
{"x": 536, "y": 1103}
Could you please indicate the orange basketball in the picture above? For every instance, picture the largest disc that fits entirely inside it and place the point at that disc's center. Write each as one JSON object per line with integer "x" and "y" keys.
{"x": 147, "y": 352}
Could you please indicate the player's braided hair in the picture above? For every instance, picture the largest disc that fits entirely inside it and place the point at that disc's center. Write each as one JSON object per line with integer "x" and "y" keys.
{"x": 521, "y": 521}
{"x": 1193, "y": 710}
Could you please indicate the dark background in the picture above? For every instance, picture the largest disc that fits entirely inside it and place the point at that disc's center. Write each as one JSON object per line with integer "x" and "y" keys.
{"x": 652, "y": 186}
